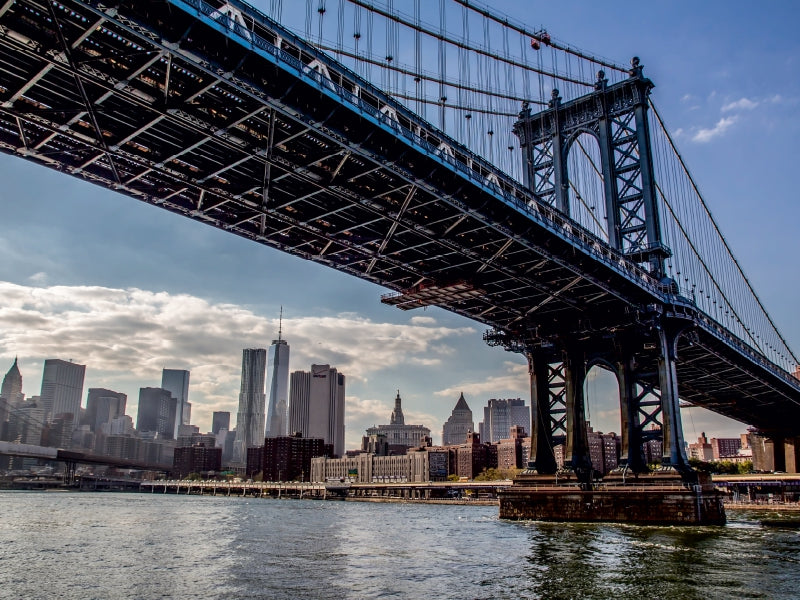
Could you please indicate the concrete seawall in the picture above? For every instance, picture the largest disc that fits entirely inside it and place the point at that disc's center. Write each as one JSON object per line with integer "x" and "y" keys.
{"x": 639, "y": 504}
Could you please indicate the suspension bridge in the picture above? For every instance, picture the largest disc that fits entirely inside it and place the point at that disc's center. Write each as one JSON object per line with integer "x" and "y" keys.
{"x": 455, "y": 156}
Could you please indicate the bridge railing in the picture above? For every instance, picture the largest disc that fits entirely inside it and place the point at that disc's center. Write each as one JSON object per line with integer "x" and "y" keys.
{"x": 368, "y": 100}
{"x": 351, "y": 89}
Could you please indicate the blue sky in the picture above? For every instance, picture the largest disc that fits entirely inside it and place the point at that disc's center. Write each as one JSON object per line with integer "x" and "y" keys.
{"x": 128, "y": 289}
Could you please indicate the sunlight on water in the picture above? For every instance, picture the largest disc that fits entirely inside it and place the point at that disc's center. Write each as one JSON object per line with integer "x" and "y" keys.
{"x": 84, "y": 545}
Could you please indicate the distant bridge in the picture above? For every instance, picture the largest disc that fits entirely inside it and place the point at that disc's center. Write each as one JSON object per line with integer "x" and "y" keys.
{"x": 72, "y": 458}
{"x": 215, "y": 111}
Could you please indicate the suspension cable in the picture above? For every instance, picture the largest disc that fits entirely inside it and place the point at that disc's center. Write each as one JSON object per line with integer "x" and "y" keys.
{"x": 504, "y": 21}
{"x": 719, "y": 233}
{"x": 447, "y": 40}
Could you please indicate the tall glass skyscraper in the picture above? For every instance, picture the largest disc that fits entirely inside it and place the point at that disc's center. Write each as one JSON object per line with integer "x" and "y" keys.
{"x": 177, "y": 382}
{"x": 278, "y": 378}
{"x": 252, "y": 403}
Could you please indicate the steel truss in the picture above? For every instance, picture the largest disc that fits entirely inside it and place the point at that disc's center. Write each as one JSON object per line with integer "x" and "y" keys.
{"x": 239, "y": 124}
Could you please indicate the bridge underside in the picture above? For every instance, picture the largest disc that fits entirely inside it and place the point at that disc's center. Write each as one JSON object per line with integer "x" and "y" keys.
{"x": 149, "y": 100}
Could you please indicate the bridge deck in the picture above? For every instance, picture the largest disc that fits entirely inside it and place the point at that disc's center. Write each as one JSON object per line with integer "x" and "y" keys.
{"x": 255, "y": 132}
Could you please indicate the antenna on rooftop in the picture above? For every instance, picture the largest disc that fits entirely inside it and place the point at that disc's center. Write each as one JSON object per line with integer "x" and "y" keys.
{"x": 280, "y": 324}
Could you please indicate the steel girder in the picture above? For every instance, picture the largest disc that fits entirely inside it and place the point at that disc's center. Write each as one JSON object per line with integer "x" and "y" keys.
{"x": 164, "y": 103}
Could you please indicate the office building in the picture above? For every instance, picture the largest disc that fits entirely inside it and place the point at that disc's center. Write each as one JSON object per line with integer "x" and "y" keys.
{"x": 11, "y": 396}
{"x": 250, "y": 419}
{"x": 11, "y": 390}
{"x": 220, "y": 420}
{"x": 102, "y": 407}
{"x": 400, "y": 436}
{"x": 26, "y": 424}
{"x": 157, "y": 412}
{"x": 459, "y": 424}
{"x": 177, "y": 382}
{"x": 62, "y": 388}
{"x": 122, "y": 425}
{"x": 500, "y": 415}
{"x": 278, "y": 378}
{"x": 316, "y": 407}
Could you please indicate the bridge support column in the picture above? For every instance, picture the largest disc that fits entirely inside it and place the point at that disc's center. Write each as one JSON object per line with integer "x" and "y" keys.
{"x": 542, "y": 458}
{"x": 779, "y": 454}
{"x": 673, "y": 452}
{"x": 631, "y": 453}
{"x": 576, "y": 452}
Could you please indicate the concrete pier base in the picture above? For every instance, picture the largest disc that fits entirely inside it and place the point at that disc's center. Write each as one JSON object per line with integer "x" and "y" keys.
{"x": 653, "y": 502}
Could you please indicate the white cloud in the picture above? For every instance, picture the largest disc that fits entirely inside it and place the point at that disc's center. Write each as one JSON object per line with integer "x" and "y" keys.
{"x": 125, "y": 337}
{"x": 39, "y": 278}
{"x": 515, "y": 381}
{"x": 423, "y": 320}
{"x": 741, "y": 104}
{"x": 706, "y": 135}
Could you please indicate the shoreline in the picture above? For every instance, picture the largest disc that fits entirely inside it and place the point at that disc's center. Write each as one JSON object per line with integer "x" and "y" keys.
{"x": 391, "y": 500}
{"x": 793, "y": 507}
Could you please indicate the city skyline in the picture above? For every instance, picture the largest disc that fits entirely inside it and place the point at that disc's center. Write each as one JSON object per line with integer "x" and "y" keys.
{"x": 186, "y": 300}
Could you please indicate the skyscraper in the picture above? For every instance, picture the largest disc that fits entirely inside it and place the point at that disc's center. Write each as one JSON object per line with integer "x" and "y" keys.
{"x": 220, "y": 420}
{"x": 316, "y": 407}
{"x": 499, "y": 415}
{"x": 250, "y": 419}
{"x": 278, "y": 378}
{"x": 11, "y": 389}
{"x": 459, "y": 424}
{"x": 11, "y": 396}
{"x": 177, "y": 382}
{"x": 62, "y": 388}
{"x": 157, "y": 412}
{"x": 103, "y": 406}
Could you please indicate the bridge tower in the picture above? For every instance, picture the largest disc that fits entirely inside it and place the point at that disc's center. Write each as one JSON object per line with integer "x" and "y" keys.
{"x": 641, "y": 353}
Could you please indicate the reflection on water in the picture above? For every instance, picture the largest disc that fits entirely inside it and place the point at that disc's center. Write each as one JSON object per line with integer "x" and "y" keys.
{"x": 155, "y": 546}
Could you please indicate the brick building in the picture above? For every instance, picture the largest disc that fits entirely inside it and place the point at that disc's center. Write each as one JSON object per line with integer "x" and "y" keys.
{"x": 510, "y": 451}
{"x": 196, "y": 459}
{"x": 286, "y": 458}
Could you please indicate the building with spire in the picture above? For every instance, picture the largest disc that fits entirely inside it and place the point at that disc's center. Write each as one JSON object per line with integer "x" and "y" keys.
{"x": 398, "y": 435}
{"x": 11, "y": 389}
{"x": 278, "y": 382}
{"x": 250, "y": 419}
{"x": 11, "y": 397}
{"x": 460, "y": 423}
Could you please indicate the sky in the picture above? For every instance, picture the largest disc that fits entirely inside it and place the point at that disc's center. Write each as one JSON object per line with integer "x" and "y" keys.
{"x": 128, "y": 289}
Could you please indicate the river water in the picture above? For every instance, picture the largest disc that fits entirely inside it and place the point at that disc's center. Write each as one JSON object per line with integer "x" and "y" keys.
{"x": 116, "y": 545}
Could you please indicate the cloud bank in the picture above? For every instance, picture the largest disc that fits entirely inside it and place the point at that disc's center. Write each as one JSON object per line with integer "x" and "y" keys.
{"x": 126, "y": 336}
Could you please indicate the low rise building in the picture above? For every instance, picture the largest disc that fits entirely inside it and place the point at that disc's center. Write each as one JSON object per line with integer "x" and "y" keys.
{"x": 413, "y": 466}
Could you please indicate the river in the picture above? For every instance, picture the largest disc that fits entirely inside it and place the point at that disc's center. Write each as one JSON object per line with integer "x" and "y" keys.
{"x": 115, "y": 545}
